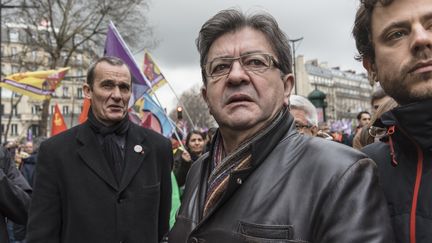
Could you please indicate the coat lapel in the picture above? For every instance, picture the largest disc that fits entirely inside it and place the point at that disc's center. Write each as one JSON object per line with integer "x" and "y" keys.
{"x": 133, "y": 158}
{"x": 91, "y": 154}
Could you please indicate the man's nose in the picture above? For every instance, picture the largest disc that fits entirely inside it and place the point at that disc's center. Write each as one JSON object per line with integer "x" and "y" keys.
{"x": 422, "y": 39}
{"x": 116, "y": 93}
{"x": 237, "y": 73}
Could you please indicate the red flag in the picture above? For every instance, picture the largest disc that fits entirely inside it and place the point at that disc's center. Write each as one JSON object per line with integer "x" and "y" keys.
{"x": 58, "y": 124}
{"x": 84, "y": 113}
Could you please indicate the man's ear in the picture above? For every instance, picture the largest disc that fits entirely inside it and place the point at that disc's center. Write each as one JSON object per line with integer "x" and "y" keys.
{"x": 204, "y": 95}
{"x": 87, "y": 91}
{"x": 288, "y": 81}
{"x": 371, "y": 69}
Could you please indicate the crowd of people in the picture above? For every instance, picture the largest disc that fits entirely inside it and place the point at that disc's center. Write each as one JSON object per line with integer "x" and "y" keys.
{"x": 270, "y": 172}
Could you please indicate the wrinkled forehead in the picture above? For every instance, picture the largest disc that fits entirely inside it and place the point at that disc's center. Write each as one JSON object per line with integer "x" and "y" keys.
{"x": 241, "y": 41}
{"x": 105, "y": 70}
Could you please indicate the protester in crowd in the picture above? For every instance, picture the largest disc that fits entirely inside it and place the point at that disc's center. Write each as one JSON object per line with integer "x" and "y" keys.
{"x": 14, "y": 194}
{"x": 107, "y": 179}
{"x": 362, "y": 138}
{"x": 363, "y": 119}
{"x": 394, "y": 40}
{"x": 365, "y": 136}
{"x": 378, "y": 98}
{"x": 324, "y": 131}
{"x": 262, "y": 181}
{"x": 182, "y": 162}
{"x": 305, "y": 115}
{"x": 24, "y": 151}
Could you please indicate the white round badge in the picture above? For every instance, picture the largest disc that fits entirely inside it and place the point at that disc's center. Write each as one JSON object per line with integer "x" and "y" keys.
{"x": 138, "y": 148}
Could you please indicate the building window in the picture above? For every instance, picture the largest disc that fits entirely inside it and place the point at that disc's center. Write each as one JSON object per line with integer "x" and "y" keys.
{"x": 14, "y": 129}
{"x": 35, "y": 109}
{"x": 65, "y": 91}
{"x": 14, "y": 53}
{"x": 52, "y": 109}
{"x": 79, "y": 73}
{"x": 65, "y": 110}
{"x": 33, "y": 55}
{"x": 13, "y": 36}
{"x": 79, "y": 59}
{"x": 15, "y": 69}
{"x": 15, "y": 110}
{"x": 79, "y": 93}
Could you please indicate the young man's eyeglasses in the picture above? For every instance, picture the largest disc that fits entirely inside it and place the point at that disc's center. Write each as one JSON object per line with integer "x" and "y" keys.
{"x": 250, "y": 62}
{"x": 377, "y": 132}
{"x": 300, "y": 126}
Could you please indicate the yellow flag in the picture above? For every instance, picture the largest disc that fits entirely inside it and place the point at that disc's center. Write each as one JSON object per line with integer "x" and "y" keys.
{"x": 37, "y": 85}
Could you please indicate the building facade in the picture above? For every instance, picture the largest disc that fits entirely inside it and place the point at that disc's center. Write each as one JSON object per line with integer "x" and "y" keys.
{"x": 347, "y": 92}
{"x": 20, "y": 115}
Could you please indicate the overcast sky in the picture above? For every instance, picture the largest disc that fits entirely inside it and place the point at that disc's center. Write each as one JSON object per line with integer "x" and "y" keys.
{"x": 325, "y": 26}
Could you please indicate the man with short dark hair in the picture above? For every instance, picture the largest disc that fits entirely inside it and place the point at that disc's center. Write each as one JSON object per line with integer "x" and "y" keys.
{"x": 107, "y": 180}
{"x": 262, "y": 181}
{"x": 394, "y": 40}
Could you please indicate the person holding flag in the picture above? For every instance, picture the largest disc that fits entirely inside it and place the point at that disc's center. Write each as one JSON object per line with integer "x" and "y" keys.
{"x": 106, "y": 180}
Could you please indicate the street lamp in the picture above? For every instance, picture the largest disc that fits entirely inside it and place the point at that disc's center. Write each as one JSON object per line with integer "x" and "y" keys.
{"x": 293, "y": 42}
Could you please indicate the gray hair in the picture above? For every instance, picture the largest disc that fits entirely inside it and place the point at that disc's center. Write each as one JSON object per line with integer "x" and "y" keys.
{"x": 301, "y": 103}
{"x": 115, "y": 61}
{"x": 232, "y": 20}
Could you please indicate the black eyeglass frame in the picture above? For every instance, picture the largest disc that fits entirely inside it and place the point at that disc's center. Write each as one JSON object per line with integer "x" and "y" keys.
{"x": 270, "y": 59}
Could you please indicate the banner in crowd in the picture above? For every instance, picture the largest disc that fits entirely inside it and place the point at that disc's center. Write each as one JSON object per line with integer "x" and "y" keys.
{"x": 58, "y": 124}
{"x": 84, "y": 112}
{"x": 115, "y": 46}
{"x": 38, "y": 85}
{"x": 149, "y": 114}
{"x": 152, "y": 72}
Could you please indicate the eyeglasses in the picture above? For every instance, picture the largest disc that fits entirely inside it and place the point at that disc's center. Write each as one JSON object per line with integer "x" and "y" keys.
{"x": 300, "y": 126}
{"x": 250, "y": 62}
{"x": 377, "y": 132}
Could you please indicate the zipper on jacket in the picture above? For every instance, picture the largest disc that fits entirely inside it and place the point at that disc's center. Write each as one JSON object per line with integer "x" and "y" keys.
{"x": 415, "y": 195}
{"x": 419, "y": 172}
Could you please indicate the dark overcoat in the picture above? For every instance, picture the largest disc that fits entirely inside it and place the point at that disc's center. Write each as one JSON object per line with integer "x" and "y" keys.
{"x": 77, "y": 199}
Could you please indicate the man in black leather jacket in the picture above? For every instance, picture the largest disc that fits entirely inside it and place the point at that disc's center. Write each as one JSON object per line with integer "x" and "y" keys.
{"x": 14, "y": 194}
{"x": 262, "y": 181}
{"x": 394, "y": 40}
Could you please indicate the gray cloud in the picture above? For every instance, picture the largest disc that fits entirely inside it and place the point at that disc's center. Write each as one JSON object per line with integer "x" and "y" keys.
{"x": 325, "y": 26}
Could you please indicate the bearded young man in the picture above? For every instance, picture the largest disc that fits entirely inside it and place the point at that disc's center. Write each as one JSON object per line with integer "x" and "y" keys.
{"x": 394, "y": 40}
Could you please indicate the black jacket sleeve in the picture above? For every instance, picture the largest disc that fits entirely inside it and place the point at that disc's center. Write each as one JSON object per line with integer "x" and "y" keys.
{"x": 14, "y": 190}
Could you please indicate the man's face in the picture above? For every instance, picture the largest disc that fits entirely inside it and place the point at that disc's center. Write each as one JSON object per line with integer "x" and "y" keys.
{"x": 28, "y": 147}
{"x": 378, "y": 102}
{"x": 196, "y": 143}
{"x": 245, "y": 100}
{"x": 302, "y": 124}
{"x": 110, "y": 93}
{"x": 364, "y": 119}
{"x": 402, "y": 37}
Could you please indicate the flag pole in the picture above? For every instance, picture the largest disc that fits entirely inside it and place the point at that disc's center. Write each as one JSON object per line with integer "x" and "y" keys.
{"x": 172, "y": 90}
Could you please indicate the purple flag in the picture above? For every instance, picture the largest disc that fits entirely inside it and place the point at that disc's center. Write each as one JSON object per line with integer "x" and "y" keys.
{"x": 115, "y": 46}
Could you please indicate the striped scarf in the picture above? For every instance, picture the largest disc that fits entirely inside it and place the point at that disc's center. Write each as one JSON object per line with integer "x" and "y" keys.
{"x": 223, "y": 165}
